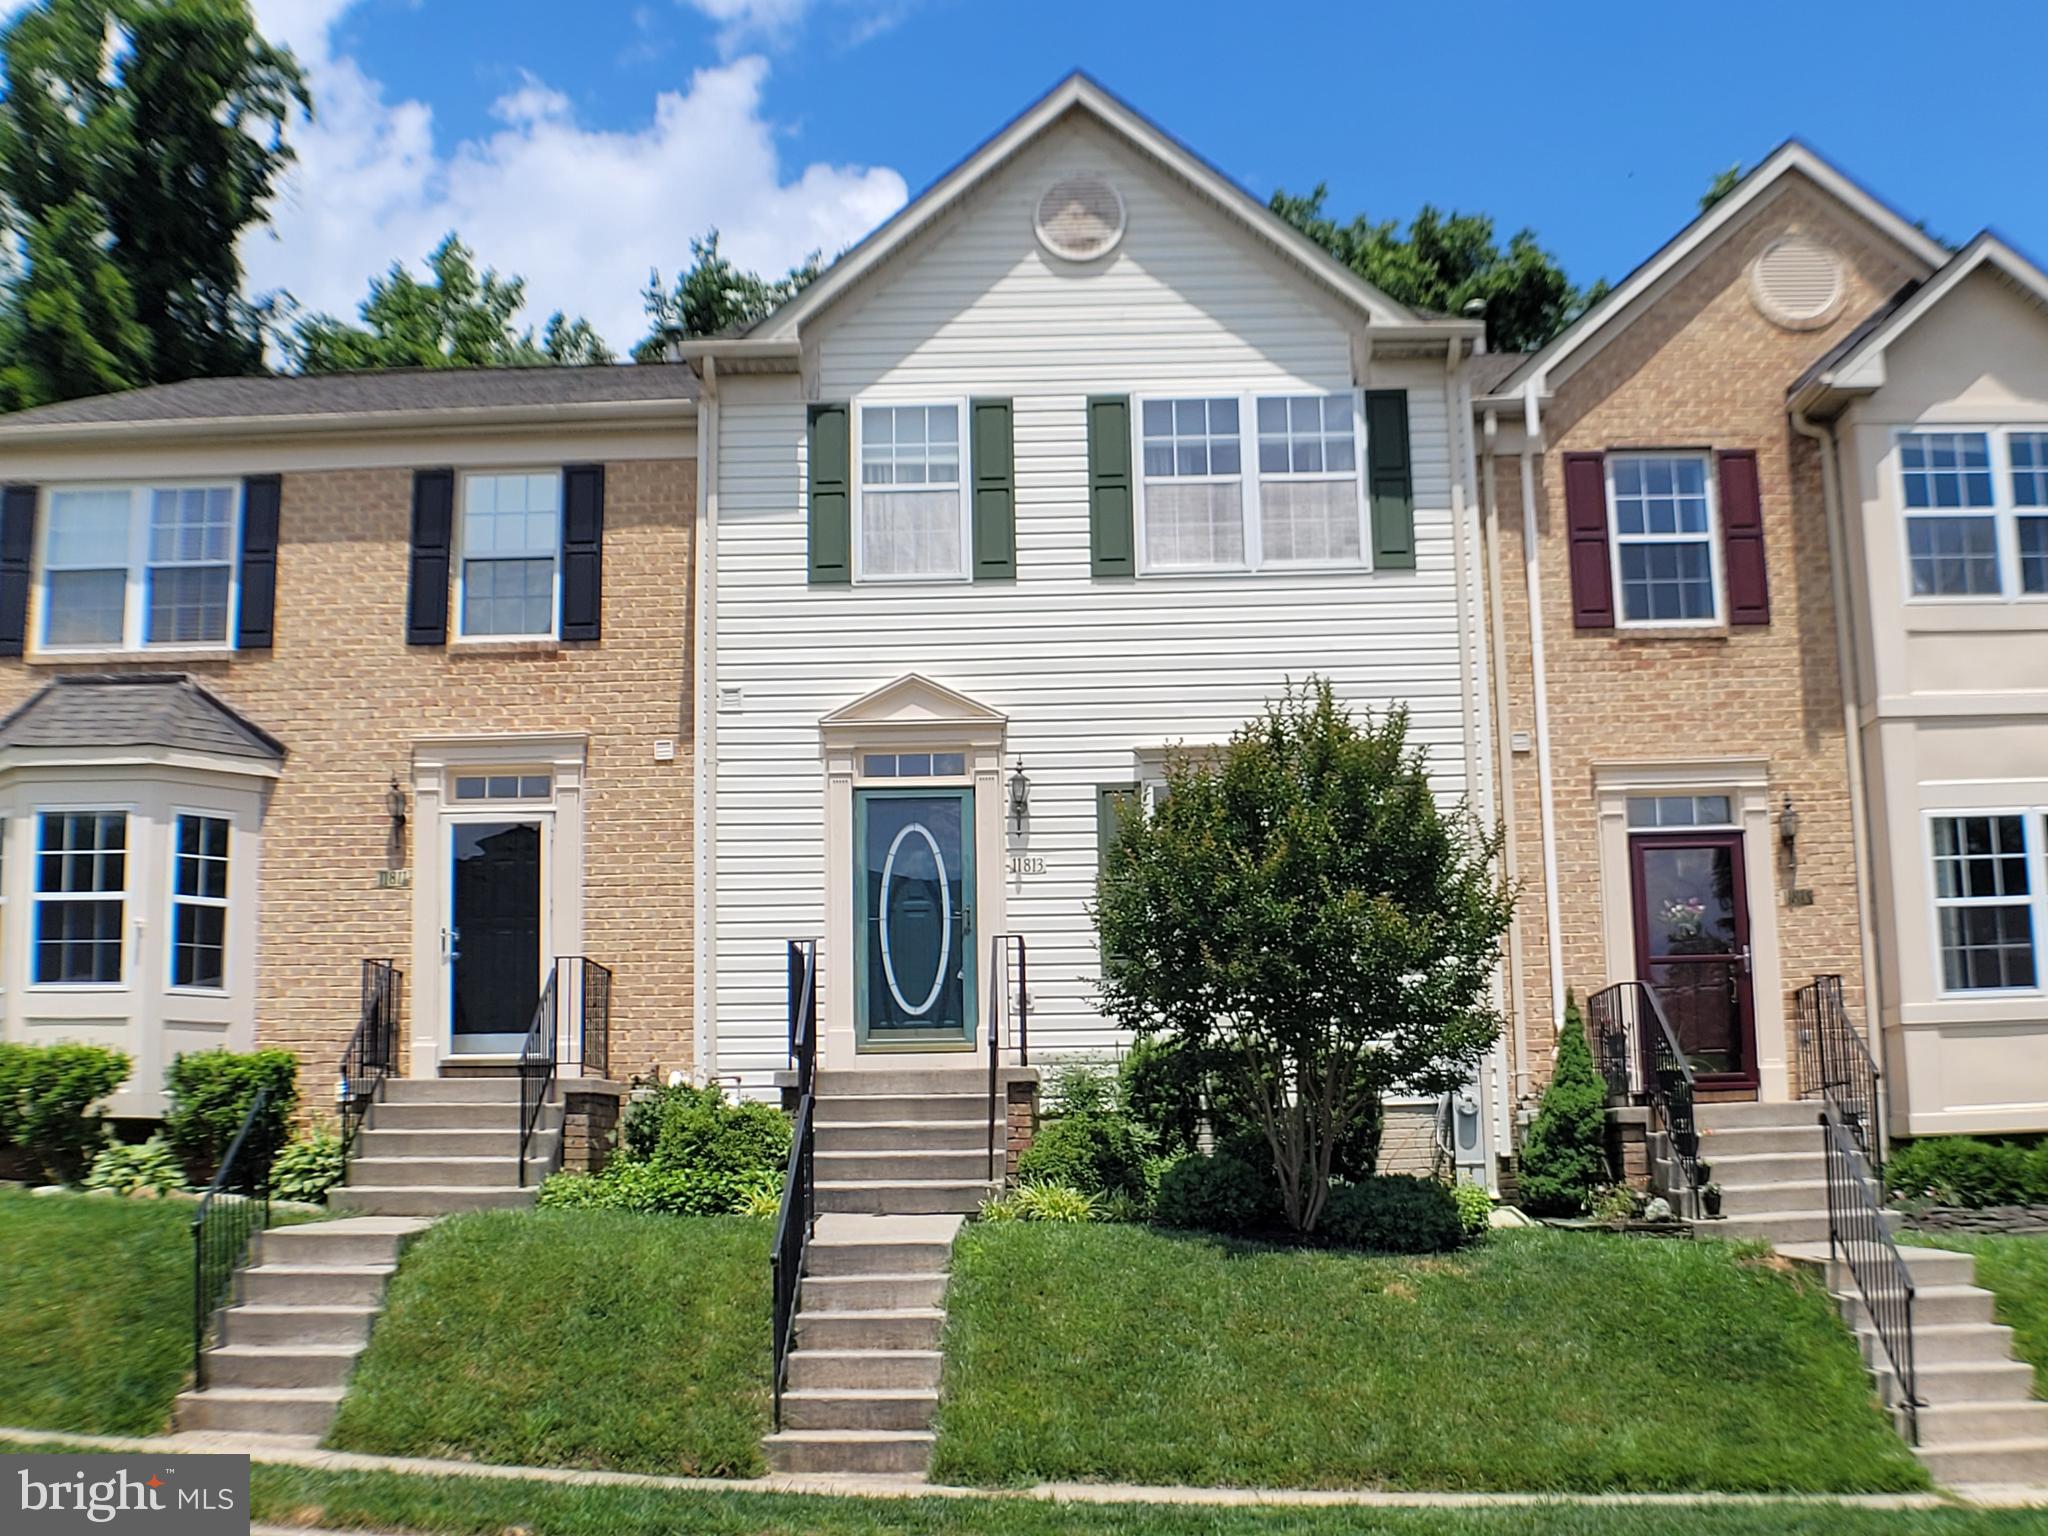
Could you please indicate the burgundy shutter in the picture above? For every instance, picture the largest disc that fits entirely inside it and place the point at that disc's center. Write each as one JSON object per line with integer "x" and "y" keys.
{"x": 1585, "y": 517}
{"x": 582, "y": 551}
{"x": 255, "y": 624}
{"x": 17, "y": 541}
{"x": 1742, "y": 538}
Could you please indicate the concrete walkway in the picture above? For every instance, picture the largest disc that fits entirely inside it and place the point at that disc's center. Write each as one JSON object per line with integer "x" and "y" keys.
{"x": 282, "y": 1451}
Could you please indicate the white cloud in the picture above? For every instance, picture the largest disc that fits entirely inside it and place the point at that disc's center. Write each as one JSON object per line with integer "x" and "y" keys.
{"x": 582, "y": 213}
{"x": 744, "y": 22}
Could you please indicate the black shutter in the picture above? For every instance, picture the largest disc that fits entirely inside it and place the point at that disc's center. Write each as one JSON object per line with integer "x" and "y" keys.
{"x": 17, "y": 545}
{"x": 256, "y": 622}
{"x": 582, "y": 551}
{"x": 433, "y": 531}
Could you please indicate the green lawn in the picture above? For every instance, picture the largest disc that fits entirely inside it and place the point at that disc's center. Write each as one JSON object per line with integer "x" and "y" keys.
{"x": 572, "y": 1338}
{"x": 95, "y": 1311}
{"x": 2015, "y": 1269}
{"x": 1542, "y": 1361}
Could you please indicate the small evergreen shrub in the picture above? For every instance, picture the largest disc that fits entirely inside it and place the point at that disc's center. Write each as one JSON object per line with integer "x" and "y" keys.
{"x": 1564, "y": 1154}
{"x": 1163, "y": 1087}
{"x": 698, "y": 1129}
{"x": 211, "y": 1092}
{"x": 308, "y": 1168}
{"x": 628, "y": 1184}
{"x": 47, "y": 1099}
{"x": 1394, "y": 1213}
{"x": 1223, "y": 1193}
{"x": 1098, "y": 1154}
{"x": 149, "y": 1169}
{"x": 1475, "y": 1208}
{"x": 1968, "y": 1171}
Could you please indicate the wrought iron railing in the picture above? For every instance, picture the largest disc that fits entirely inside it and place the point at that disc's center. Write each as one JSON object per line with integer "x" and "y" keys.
{"x": 236, "y": 1205}
{"x": 1009, "y": 1000}
{"x": 593, "y": 1005}
{"x": 1861, "y": 1238}
{"x": 797, "y": 1217}
{"x": 539, "y": 1056}
{"x": 1835, "y": 1065}
{"x": 372, "y": 1053}
{"x": 583, "y": 988}
{"x": 1638, "y": 1053}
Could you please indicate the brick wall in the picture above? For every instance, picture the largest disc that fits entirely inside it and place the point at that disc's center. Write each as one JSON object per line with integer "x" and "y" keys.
{"x": 1700, "y": 368}
{"x": 347, "y": 696}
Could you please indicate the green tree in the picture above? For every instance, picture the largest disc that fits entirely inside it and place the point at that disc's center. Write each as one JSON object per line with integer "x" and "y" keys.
{"x": 1564, "y": 1153}
{"x": 713, "y": 297}
{"x": 138, "y": 139}
{"x": 1723, "y": 183}
{"x": 457, "y": 318}
{"x": 1449, "y": 262}
{"x": 1300, "y": 910}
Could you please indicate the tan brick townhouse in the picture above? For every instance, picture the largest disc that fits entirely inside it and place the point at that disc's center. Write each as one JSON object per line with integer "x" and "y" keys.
{"x": 408, "y": 653}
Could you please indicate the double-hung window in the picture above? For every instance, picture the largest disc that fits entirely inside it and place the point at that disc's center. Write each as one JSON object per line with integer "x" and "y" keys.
{"x": 134, "y": 567}
{"x": 511, "y": 545}
{"x": 81, "y": 892}
{"x": 1951, "y": 513}
{"x": 1663, "y": 518}
{"x": 199, "y": 901}
{"x": 2029, "y": 451}
{"x": 1984, "y": 902}
{"x": 912, "y": 521}
{"x": 1192, "y": 458}
{"x": 1311, "y": 511}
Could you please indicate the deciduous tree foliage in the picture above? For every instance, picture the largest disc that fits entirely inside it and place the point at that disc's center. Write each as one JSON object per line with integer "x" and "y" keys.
{"x": 138, "y": 139}
{"x": 1301, "y": 910}
{"x": 458, "y": 318}
{"x": 713, "y": 297}
{"x": 1445, "y": 262}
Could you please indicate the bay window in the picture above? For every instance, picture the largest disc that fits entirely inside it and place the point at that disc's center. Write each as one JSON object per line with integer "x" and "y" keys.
{"x": 1984, "y": 899}
{"x": 199, "y": 901}
{"x": 911, "y": 521}
{"x": 135, "y": 567}
{"x": 81, "y": 884}
{"x": 1976, "y": 512}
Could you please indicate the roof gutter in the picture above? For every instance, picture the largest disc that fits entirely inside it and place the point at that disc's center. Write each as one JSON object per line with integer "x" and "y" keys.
{"x": 330, "y": 423}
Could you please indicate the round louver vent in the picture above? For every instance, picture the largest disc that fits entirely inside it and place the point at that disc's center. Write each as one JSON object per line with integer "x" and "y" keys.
{"x": 1797, "y": 282}
{"x": 1080, "y": 217}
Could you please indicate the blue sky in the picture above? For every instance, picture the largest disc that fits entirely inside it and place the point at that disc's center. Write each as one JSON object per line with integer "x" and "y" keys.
{"x": 582, "y": 141}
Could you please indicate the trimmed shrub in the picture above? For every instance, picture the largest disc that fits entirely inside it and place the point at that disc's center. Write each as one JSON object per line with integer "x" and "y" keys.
{"x": 1224, "y": 1193}
{"x": 150, "y": 1169}
{"x": 47, "y": 1099}
{"x": 211, "y": 1092}
{"x": 1098, "y": 1154}
{"x": 1963, "y": 1170}
{"x": 1475, "y": 1209}
{"x": 1394, "y": 1213}
{"x": 697, "y": 1129}
{"x": 630, "y": 1185}
{"x": 308, "y": 1168}
{"x": 1564, "y": 1154}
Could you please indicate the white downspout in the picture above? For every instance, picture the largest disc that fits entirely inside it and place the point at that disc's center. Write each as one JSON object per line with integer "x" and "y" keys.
{"x": 1832, "y": 512}
{"x": 1518, "y": 1005}
{"x": 704, "y": 809}
{"x": 1532, "y": 429}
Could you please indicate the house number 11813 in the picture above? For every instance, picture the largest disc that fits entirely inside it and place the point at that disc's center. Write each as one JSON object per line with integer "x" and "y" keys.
{"x": 1027, "y": 864}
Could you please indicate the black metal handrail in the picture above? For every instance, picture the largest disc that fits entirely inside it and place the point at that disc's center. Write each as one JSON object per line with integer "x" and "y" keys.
{"x": 1009, "y": 974}
{"x": 797, "y": 1217}
{"x": 372, "y": 1054}
{"x": 1835, "y": 1065}
{"x": 539, "y": 1055}
{"x": 1638, "y": 1053}
{"x": 1861, "y": 1237}
{"x": 235, "y": 1205}
{"x": 593, "y": 1015}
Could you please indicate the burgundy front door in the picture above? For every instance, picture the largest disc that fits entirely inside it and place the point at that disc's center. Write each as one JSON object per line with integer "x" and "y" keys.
{"x": 1692, "y": 947}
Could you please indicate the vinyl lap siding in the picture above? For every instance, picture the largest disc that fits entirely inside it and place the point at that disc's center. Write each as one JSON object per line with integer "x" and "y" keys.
{"x": 1087, "y": 671}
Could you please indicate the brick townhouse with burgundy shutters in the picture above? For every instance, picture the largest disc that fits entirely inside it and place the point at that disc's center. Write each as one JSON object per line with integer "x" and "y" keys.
{"x": 303, "y": 672}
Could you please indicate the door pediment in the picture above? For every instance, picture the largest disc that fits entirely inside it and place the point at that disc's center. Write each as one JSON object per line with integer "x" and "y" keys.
{"x": 914, "y": 703}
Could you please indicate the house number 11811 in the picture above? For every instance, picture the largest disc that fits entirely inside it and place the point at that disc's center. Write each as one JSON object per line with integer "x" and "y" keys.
{"x": 1027, "y": 864}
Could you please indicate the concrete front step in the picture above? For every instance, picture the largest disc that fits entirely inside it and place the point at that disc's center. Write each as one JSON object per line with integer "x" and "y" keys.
{"x": 903, "y": 1197}
{"x": 1798, "y": 1114}
{"x": 1947, "y": 1424}
{"x": 1933, "y": 1305}
{"x": 913, "y": 1165}
{"x": 1963, "y": 1381}
{"x": 967, "y": 1081}
{"x": 349, "y": 1241}
{"x": 865, "y": 1105}
{"x": 481, "y": 1141}
{"x": 866, "y": 1408}
{"x": 1770, "y": 1199}
{"x": 1747, "y": 1140}
{"x": 472, "y": 1116}
{"x": 1943, "y": 1344}
{"x": 469, "y": 1172}
{"x": 902, "y": 1452}
{"x": 1768, "y": 1168}
{"x": 280, "y": 1365}
{"x": 1780, "y": 1227}
{"x": 2018, "y": 1462}
{"x": 882, "y": 1292}
{"x": 891, "y": 1135}
{"x": 356, "y": 1285}
{"x": 897, "y": 1328}
{"x": 451, "y": 1090}
{"x": 871, "y": 1369}
{"x": 827, "y": 1260}
{"x": 425, "y": 1200}
{"x": 259, "y": 1410}
{"x": 255, "y": 1323}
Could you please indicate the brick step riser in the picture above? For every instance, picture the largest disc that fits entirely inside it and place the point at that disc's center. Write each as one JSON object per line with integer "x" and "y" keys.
{"x": 425, "y": 1202}
{"x": 852, "y": 1412}
{"x": 490, "y": 1173}
{"x": 963, "y": 1199}
{"x": 311, "y": 1246}
{"x": 453, "y": 1090}
{"x": 813, "y": 1370}
{"x": 820, "y": 1294}
{"x": 459, "y": 1117}
{"x": 215, "y": 1414}
{"x": 901, "y": 1458}
{"x": 1976, "y": 1344}
{"x": 835, "y": 1260}
{"x": 2024, "y": 1465}
{"x": 278, "y": 1366}
{"x": 868, "y": 1108}
{"x": 315, "y": 1288}
{"x": 911, "y": 1136}
{"x": 299, "y": 1325}
{"x": 855, "y": 1330}
{"x": 884, "y": 1166}
{"x": 1968, "y": 1424}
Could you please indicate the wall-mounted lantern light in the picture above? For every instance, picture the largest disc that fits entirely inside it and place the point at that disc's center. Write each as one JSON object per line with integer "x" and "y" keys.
{"x": 1788, "y": 828}
{"x": 394, "y": 807}
{"x": 1020, "y": 795}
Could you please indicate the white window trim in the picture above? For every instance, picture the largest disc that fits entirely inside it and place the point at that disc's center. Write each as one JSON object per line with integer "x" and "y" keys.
{"x": 1249, "y": 477}
{"x": 2036, "y": 902}
{"x": 135, "y": 602}
{"x": 1719, "y": 618}
{"x": 1732, "y": 824}
{"x": 962, "y": 407}
{"x": 2004, "y": 513}
{"x": 174, "y": 900}
{"x": 130, "y": 923}
{"x": 457, "y": 632}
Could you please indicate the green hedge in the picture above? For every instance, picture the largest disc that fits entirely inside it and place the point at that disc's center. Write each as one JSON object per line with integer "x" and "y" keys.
{"x": 211, "y": 1092}
{"x": 47, "y": 1099}
{"x": 1962, "y": 1170}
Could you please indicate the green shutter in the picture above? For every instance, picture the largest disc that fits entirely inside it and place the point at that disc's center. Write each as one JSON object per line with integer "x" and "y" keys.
{"x": 1112, "y": 542}
{"x": 995, "y": 491}
{"x": 1390, "y": 479}
{"x": 831, "y": 509}
{"x": 1115, "y": 804}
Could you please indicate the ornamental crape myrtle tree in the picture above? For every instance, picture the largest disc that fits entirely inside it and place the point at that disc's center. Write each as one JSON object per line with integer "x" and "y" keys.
{"x": 1299, "y": 909}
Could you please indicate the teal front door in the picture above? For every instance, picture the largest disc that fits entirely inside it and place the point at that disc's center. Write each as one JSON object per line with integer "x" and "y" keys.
{"x": 914, "y": 918}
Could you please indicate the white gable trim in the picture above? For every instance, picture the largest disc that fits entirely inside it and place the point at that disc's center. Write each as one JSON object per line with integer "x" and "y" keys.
{"x": 1648, "y": 278}
{"x": 1078, "y": 93}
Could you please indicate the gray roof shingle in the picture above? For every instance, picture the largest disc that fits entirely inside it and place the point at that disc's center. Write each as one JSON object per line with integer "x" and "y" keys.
{"x": 1489, "y": 369}
{"x": 141, "y": 709}
{"x": 395, "y": 390}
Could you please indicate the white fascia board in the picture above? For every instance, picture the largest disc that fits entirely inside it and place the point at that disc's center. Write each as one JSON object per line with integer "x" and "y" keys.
{"x": 363, "y": 423}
